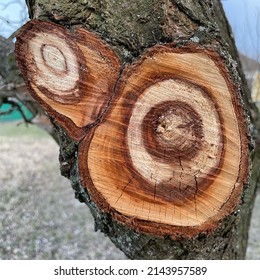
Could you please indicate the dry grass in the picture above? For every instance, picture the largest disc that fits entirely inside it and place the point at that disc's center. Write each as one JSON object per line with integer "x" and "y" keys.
{"x": 39, "y": 216}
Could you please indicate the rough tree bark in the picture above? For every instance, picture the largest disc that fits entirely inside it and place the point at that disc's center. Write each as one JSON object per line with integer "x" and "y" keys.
{"x": 153, "y": 119}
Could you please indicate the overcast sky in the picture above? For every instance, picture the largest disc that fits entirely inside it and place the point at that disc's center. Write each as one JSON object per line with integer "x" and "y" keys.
{"x": 243, "y": 15}
{"x": 13, "y": 13}
{"x": 244, "y": 18}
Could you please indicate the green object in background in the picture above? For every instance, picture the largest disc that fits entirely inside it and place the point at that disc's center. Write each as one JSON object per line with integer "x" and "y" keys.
{"x": 14, "y": 115}
{"x": 21, "y": 129}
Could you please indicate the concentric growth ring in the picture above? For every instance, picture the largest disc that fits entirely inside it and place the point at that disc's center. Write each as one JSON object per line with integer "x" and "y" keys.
{"x": 173, "y": 125}
{"x": 169, "y": 148}
{"x": 55, "y": 68}
{"x": 163, "y": 142}
{"x": 71, "y": 74}
{"x": 172, "y": 130}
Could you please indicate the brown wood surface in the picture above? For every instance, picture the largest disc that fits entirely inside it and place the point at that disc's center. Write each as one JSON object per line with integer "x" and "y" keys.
{"x": 173, "y": 148}
{"x": 165, "y": 145}
{"x": 71, "y": 75}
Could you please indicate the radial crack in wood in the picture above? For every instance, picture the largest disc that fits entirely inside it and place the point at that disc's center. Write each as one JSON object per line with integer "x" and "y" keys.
{"x": 172, "y": 153}
{"x": 72, "y": 75}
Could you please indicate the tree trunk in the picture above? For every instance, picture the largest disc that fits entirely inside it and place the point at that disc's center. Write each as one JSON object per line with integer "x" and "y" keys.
{"x": 156, "y": 121}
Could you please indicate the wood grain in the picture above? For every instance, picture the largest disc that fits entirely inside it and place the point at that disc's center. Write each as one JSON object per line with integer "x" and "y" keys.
{"x": 173, "y": 150}
{"x": 63, "y": 72}
{"x": 163, "y": 142}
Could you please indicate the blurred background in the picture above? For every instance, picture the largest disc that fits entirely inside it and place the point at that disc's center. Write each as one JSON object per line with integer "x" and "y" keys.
{"x": 39, "y": 218}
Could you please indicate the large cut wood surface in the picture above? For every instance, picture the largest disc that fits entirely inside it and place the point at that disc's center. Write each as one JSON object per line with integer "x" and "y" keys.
{"x": 170, "y": 150}
{"x": 167, "y": 148}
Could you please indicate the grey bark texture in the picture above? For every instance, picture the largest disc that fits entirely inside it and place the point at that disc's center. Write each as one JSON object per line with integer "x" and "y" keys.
{"x": 130, "y": 27}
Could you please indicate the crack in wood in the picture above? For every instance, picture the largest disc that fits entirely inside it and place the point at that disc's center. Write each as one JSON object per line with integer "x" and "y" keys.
{"x": 155, "y": 186}
{"x": 124, "y": 188}
{"x": 180, "y": 164}
{"x": 195, "y": 194}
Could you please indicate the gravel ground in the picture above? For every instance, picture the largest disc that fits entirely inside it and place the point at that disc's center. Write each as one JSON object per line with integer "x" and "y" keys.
{"x": 39, "y": 217}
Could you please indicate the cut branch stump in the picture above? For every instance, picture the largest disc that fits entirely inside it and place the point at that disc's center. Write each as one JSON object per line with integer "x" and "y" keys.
{"x": 163, "y": 142}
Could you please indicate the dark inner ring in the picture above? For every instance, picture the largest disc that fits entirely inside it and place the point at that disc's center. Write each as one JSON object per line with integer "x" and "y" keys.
{"x": 172, "y": 130}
